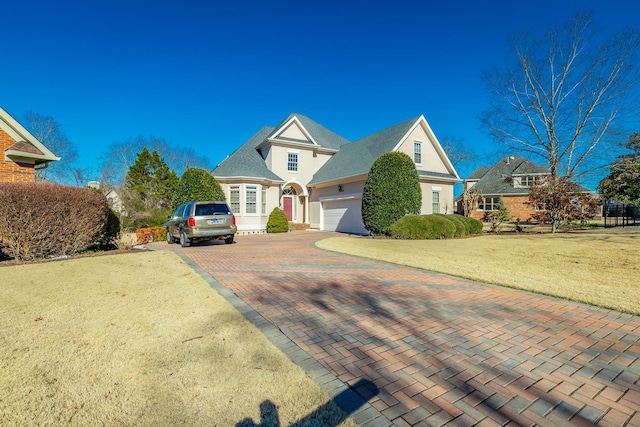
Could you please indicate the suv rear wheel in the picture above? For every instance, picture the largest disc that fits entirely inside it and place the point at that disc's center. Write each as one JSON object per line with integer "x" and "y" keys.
{"x": 184, "y": 241}
{"x": 229, "y": 240}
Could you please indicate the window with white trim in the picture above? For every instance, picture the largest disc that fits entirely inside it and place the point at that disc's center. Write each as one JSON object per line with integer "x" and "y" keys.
{"x": 489, "y": 203}
{"x": 435, "y": 202}
{"x": 292, "y": 162}
{"x": 251, "y": 199}
{"x": 263, "y": 201}
{"x": 234, "y": 198}
{"x": 417, "y": 152}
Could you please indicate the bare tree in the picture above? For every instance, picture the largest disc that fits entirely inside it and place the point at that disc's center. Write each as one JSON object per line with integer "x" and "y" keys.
{"x": 457, "y": 151}
{"x": 564, "y": 95}
{"x": 50, "y": 133}
{"x": 120, "y": 156}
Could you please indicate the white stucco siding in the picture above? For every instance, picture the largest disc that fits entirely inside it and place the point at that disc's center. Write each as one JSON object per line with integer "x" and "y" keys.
{"x": 431, "y": 160}
{"x": 446, "y": 199}
{"x": 293, "y": 132}
{"x": 306, "y": 163}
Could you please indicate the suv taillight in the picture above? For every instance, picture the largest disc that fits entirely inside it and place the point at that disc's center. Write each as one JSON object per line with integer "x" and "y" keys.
{"x": 191, "y": 221}
{"x": 233, "y": 219}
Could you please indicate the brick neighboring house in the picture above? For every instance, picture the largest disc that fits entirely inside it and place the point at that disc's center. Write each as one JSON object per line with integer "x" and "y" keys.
{"x": 510, "y": 180}
{"x": 22, "y": 153}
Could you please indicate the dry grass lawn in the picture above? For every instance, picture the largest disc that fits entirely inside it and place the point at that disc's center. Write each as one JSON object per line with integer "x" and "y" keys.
{"x": 138, "y": 339}
{"x": 596, "y": 266}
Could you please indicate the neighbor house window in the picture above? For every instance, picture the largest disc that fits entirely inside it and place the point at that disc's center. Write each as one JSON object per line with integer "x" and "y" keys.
{"x": 263, "y": 201}
{"x": 529, "y": 181}
{"x": 251, "y": 201}
{"x": 292, "y": 162}
{"x": 435, "y": 202}
{"x": 234, "y": 198}
{"x": 417, "y": 152}
{"x": 489, "y": 203}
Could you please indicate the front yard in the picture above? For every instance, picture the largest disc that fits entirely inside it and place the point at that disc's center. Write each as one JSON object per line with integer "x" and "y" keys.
{"x": 138, "y": 339}
{"x": 597, "y": 266}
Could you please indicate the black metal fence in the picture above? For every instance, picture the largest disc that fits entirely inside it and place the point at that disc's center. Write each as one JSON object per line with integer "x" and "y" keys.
{"x": 620, "y": 215}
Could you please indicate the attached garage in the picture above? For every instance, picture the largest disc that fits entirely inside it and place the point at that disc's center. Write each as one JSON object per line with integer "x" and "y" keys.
{"x": 344, "y": 215}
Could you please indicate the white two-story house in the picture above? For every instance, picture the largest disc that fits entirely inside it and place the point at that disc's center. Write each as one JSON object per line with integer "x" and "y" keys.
{"x": 317, "y": 177}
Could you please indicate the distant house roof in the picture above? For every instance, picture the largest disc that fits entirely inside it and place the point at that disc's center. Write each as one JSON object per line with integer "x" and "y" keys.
{"x": 357, "y": 157}
{"x": 498, "y": 179}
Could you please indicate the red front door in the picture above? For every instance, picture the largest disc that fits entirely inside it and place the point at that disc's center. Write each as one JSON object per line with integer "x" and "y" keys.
{"x": 286, "y": 203}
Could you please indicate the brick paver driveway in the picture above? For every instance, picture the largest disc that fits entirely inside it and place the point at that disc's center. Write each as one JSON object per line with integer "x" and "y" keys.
{"x": 441, "y": 350}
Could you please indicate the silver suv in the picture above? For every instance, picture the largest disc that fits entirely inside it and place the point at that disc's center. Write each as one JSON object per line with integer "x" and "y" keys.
{"x": 197, "y": 221}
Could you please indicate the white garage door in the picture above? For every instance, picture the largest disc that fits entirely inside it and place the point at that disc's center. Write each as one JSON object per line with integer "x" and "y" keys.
{"x": 343, "y": 215}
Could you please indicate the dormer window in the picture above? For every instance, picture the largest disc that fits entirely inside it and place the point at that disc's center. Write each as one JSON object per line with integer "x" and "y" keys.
{"x": 292, "y": 162}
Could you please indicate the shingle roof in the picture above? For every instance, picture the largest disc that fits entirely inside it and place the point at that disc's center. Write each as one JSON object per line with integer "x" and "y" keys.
{"x": 479, "y": 172}
{"x": 497, "y": 179}
{"x": 246, "y": 160}
{"x": 322, "y": 136}
{"x": 25, "y": 147}
{"x": 357, "y": 157}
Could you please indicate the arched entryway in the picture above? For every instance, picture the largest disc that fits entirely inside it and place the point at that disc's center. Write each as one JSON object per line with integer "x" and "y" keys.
{"x": 295, "y": 202}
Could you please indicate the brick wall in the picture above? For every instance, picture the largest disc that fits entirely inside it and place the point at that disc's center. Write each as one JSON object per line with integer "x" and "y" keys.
{"x": 11, "y": 171}
{"x": 518, "y": 208}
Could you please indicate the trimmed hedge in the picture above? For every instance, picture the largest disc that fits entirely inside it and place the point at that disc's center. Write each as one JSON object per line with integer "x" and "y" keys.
{"x": 196, "y": 184}
{"x": 278, "y": 222}
{"x": 39, "y": 220}
{"x": 437, "y": 226}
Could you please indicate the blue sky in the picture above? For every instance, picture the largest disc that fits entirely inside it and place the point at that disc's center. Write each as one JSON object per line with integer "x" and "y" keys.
{"x": 209, "y": 74}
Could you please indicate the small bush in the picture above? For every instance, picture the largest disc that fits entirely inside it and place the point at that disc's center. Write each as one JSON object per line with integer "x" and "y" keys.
{"x": 278, "y": 222}
{"x": 411, "y": 227}
{"x": 39, "y": 220}
{"x": 443, "y": 228}
{"x": 473, "y": 225}
{"x": 437, "y": 226}
{"x": 151, "y": 234}
{"x": 461, "y": 226}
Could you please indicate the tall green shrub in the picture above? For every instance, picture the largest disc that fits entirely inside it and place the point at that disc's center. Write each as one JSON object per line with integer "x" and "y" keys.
{"x": 391, "y": 191}
{"x": 196, "y": 184}
{"x": 277, "y": 222}
{"x": 39, "y": 220}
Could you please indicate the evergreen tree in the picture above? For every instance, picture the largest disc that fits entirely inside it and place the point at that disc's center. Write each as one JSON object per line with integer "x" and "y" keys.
{"x": 391, "y": 191}
{"x": 150, "y": 180}
{"x": 196, "y": 184}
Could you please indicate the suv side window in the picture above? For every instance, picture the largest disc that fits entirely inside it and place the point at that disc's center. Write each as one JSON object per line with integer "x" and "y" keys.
{"x": 179, "y": 211}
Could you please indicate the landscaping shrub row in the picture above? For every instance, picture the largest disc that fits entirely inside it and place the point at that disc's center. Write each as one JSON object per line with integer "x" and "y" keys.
{"x": 436, "y": 226}
{"x": 151, "y": 234}
{"x": 39, "y": 220}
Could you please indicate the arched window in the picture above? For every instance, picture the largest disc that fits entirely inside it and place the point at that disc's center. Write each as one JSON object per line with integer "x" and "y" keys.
{"x": 289, "y": 191}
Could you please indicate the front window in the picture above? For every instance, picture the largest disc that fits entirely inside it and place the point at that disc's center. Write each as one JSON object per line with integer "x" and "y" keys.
{"x": 234, "y": 198}
{"x": 435, "y": 202}
{"x": 489, "y": 203}
{"x": 251, "y": 201}
{"x": 292, "y": 163}
{"x": 417, "y": 152}
{"x": 263, "y": 201}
